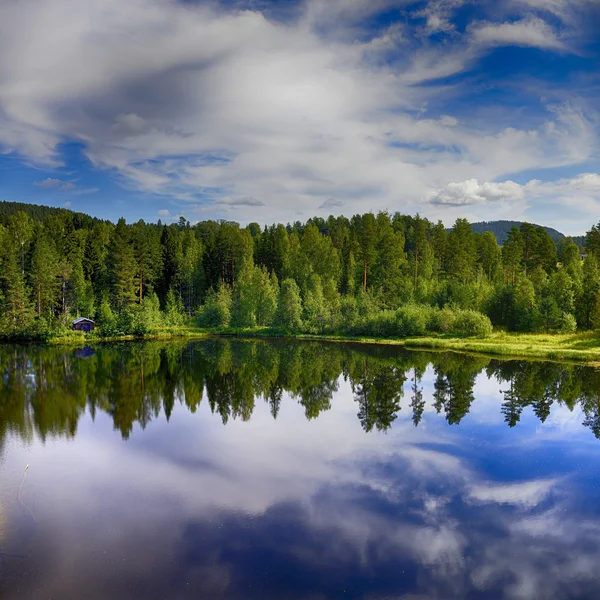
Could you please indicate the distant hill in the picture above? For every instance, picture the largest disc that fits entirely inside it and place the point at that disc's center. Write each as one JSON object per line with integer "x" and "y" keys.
{"x": 39, "y": 213}
{"x": 501, "y": 228}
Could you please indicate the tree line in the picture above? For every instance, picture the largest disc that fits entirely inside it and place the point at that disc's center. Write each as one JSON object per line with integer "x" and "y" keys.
{"x": 376, "y": 274}
{"x": 48, "y": 390}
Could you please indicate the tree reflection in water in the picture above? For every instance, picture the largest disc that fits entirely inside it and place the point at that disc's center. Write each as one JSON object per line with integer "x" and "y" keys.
{"x": 46, "y": 390}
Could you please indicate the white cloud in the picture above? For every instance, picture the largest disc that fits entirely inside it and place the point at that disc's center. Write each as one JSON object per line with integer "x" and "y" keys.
{"x": 527, "y": 494}
{"x": 472, "y": 192}
{"x": 531, "y": 31}
{"x": 580, "y": 195}
{"x": 163, "y": 212}
{"x": 234, "y": 110}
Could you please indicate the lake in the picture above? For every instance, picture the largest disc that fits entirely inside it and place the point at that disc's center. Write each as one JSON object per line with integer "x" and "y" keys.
{"x": 283, "y": 470}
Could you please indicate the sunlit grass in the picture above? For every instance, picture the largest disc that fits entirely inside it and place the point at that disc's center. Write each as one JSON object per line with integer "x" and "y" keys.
{"x": 581, "y": 347}
{"x": 574, "y": 346}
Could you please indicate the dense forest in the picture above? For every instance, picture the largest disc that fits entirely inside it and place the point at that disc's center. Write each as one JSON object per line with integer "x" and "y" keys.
{"x": 372, "y": 274}
{"x": 48, "y": 390}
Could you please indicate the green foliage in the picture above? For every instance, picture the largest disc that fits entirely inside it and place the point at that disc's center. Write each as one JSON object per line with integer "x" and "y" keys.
{"x": 289, "y": 310}
{"x": 107, "y": 319}
{"x": 216, "y": 311}
{"x": 470, "y": 323}
{"x": 391, "y": 274}
{"x": 146, "y": 318}
{"x": 412, "y": 320}
{"x": 174, "y": 310}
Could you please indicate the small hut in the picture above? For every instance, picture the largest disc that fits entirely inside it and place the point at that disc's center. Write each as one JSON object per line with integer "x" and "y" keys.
{"x": 83, "y": 324}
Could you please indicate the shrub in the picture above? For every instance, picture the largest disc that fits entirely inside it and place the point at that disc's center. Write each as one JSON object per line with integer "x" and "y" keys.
{"x": 411, "y": 320}
{"x": 441, "y": 320}
{"x": 470, "y": 323}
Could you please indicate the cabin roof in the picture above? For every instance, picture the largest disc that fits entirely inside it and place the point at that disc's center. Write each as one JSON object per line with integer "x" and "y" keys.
{"x": 82, "y": 320}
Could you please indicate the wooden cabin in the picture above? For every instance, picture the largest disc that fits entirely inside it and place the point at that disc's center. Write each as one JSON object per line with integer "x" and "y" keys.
{"x": 83, "y": 324}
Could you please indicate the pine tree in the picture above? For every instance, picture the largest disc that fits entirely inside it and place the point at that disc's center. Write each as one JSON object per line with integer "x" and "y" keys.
{"x": 44, "y": 274}
{"x": 123, "y": 267}
{"x": 17, "y": 310}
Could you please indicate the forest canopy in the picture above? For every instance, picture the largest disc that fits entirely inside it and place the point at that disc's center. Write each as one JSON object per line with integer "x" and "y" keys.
{"x": 388, "y": 275}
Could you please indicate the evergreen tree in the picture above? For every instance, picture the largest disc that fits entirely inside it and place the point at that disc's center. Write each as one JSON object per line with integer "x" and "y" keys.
{"x": 461, "y": 252}
{"x": 512, "y": 255}
{"x": 17, "y": 310}
{"x": 44, "y": 274}
{"x": 123, "y": 267}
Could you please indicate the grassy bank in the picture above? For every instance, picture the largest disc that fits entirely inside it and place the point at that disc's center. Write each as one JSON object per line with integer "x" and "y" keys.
{"x": 580, "y": 347}
{"x": 164, "y": 333}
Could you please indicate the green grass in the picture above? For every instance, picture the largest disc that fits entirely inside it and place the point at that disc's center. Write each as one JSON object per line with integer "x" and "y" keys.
{"x": 580, "y": 347}
{"x": 79, "y": 337}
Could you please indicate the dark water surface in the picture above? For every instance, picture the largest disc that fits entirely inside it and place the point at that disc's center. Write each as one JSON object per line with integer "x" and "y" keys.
{"x": 281, "y": 470}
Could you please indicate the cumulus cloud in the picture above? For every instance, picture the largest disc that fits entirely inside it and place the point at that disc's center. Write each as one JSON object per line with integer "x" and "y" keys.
{"x": 469, "y": 192}
{"x": 581, "y": 194}
{"x": 163, "y": 212}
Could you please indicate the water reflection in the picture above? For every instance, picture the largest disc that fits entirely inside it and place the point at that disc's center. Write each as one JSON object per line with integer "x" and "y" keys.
{"x": 292, "y": 498}
{"x": 46, "y": 390}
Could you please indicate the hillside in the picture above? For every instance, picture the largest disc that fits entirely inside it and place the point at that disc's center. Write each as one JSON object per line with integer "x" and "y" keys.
{"x": 39, "y": 213}
{"x": 501, "y": 228}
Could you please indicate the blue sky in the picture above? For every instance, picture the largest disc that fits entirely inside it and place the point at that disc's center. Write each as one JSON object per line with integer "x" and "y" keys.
{"x": 278, "y": 111}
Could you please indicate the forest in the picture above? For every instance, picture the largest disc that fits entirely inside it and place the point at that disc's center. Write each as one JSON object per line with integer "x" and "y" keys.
{"x": 380, "y": 275}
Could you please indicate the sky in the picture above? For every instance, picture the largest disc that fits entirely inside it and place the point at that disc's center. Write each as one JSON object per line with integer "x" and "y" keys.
{"x": 277, "y": 111}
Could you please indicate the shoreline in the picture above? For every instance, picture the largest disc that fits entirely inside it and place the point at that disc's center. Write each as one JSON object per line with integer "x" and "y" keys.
{"x": 576, "y": 347}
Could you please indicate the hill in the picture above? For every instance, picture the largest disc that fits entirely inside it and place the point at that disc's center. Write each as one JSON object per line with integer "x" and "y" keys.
{"x": 501, "y": 228}
{"x": 39, "y": 213}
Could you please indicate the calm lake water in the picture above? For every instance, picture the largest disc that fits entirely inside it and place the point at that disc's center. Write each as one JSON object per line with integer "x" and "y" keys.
{"x": 282, "y": 470}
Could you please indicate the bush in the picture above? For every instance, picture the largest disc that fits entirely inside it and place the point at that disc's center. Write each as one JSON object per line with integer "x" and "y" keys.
{"x": 470, "y": 323}
{"x": 411, "y": 320}
{"x": 441, "y": 320}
